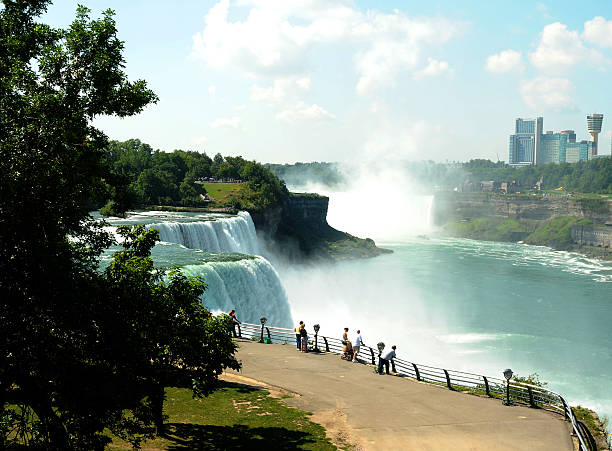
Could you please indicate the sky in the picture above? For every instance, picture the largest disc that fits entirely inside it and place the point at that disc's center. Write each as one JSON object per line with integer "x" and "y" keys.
{"x": 280, "y": 81}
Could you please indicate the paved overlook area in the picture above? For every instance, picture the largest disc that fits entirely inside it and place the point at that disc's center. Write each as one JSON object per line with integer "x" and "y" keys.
{"x": 371, "y": 412}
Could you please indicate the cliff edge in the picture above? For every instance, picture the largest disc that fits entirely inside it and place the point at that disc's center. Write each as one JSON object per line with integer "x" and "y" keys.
{"x": 298, "y": 230}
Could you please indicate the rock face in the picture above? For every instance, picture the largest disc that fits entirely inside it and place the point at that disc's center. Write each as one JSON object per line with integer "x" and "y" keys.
{"x": 306, "y": 210}
{"x": 298, "y": 230}
{"x": 592, "y": 236}
{"x": 459, "y": 206}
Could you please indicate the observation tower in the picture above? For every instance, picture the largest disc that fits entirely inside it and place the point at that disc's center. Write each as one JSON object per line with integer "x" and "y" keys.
{"x": 594, "y": 126}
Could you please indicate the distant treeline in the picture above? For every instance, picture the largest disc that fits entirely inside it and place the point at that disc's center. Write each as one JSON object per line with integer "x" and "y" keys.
{"x": 594, "y": 176}
{"x": 161, "y": 178}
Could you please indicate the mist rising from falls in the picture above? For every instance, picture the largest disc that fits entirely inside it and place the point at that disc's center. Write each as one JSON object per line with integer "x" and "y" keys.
{"x": 382, "y": 203}
{"x": 251, "y": 286}
{"x": 231, "y": 234}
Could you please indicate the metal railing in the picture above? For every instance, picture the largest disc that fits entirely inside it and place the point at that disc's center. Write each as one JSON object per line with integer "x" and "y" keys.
{"x": 518, "y": 392}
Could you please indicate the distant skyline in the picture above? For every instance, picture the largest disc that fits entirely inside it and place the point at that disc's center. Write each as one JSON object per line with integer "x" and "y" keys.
{"x": 282, "y": 81}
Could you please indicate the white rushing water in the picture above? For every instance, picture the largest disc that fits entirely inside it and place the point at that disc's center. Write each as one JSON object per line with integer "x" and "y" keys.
{"x": 251, "y": 286}
{"x": 231, "y": 234}
{"x": 223, "y": 249}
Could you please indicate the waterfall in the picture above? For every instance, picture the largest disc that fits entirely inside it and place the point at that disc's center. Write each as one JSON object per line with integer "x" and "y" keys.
{"x": 227, "y": 234}
{"x": 251, "y": 286}
{"x": 210, "y": 246}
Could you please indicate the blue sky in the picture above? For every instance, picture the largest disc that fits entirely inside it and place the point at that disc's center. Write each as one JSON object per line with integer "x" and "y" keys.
{"x": 318, "y": 80}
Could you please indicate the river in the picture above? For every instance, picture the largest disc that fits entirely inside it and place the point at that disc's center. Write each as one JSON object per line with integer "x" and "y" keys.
{"x": 460, "y": 304}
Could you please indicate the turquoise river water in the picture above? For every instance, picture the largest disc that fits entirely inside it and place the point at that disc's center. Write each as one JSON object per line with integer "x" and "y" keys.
{"x": 474, "y": 306}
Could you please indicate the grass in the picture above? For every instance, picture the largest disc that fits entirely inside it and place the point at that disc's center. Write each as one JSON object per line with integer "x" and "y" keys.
{"x": 556, "y": 233}
{"x": 224, "y": 192}
{"x": 234, "y": 417}
{"x": 491, "y": 229}
{"x": 598, "y": 428}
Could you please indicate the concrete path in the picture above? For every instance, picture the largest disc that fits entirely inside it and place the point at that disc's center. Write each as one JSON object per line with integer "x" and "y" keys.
{"x": 370, "y": 412}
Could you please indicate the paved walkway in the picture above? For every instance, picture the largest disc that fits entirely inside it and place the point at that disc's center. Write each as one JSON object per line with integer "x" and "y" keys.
{"x": 371, "y": 412}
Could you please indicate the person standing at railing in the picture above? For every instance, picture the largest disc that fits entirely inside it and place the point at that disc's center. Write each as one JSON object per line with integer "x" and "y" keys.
{"x": 384, "y": 360}
{"x": 304, "y": 338}
{"x": 347, "y": 347}
{"x": 298, "y": 335}
{"x": 357, "y": 342}
{"x": 235, "y": 322}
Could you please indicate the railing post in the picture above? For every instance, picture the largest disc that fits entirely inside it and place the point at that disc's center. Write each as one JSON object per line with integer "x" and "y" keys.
{"x": 531, "y": 403}
{"x": 448, "y": 382}
{"x": 564, "y": 408}
{"x": 372, "y": 353}
{"x": 239, "y": 330}
{"x": 416, "y": 370}
{"x": 326, "y": 344}
{"x": 393, "y": 365}
{"x": 486, "y": 386}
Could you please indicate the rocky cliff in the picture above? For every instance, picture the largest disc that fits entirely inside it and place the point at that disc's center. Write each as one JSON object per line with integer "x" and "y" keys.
{"x": 298, "y": 230}
{"x": 592, "y": 236}
{"x": 461, "y": 206}
{"x": 561, "y": 222}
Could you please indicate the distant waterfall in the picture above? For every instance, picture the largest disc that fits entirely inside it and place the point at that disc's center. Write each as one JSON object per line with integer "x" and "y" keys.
{"x": 228, "y": 234}
{"x": 251, "y": 286}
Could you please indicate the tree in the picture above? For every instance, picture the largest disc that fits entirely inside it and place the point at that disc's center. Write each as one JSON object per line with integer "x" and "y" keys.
{"x": 178, "y": 337}
{"x": 73, "y": 347}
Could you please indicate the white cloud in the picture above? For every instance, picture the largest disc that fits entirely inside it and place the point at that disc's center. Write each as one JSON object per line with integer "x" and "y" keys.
{"x": 276, "y": 36}
{"x": 560, "y": 48}
{"x": 598, "y": 31}
{"x": 212, "y": 90}
{"x": 396, "y": 44}
{"x": 543, "y": 93}
{"x": 434, "y": 67}
{"x": 281, "y": 89}
{"x": 301, "y": 112}
{"x": 505, "y": 61}
{"x": 225, "y": 122}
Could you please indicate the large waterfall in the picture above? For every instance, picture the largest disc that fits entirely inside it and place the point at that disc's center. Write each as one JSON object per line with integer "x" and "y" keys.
{"x": 251, "y": 286}
{"x": 228, "y": 234}
{"x": 214, "y": 246}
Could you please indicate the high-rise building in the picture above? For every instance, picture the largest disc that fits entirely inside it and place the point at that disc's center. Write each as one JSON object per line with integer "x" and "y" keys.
{"x": 552, "y": 147}
{"x": 594, "y": 122}
{"x": 571, "y": 135}
{"x": 524, "y": 144}
{"x": 529, "y": 145}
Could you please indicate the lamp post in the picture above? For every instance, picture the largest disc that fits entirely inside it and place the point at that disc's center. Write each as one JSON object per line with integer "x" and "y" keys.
{"x": 316, "y": 328}
{"x": 508, "y": 376}
{"x": 380, "y": 345}
{"x": 263, "y": 320}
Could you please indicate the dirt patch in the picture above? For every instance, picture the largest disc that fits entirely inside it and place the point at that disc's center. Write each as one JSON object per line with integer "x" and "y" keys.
{"x": 275, "y": 392}
{"x": 334, "y": 421}
{"x": 337, "y": 428}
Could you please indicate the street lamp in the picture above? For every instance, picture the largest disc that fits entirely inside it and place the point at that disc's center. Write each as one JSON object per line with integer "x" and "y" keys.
{"x": 263, "y": 320}
{"x": 508, "y": 376}
{"x": 316, "y": 328}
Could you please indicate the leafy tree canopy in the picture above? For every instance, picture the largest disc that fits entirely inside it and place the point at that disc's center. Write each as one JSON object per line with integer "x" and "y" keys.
{"x": 81, "y": 350}
{"x": 162, "y": 178}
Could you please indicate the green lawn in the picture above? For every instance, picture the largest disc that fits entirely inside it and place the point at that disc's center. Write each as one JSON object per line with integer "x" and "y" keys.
{"x": 234, "y": 417}
{"x": 224, "y": 192}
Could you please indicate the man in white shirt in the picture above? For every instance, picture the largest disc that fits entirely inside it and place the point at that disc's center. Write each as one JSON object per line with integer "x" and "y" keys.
{"x": 384, "y": 360}
{"x": 357, "y": 342}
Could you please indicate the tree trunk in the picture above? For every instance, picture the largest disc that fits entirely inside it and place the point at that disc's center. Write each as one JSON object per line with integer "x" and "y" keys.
{"x": 157, "y": 402}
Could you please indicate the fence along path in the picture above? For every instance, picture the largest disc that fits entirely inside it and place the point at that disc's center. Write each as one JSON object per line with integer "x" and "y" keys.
{"x": 519, "y": 392}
